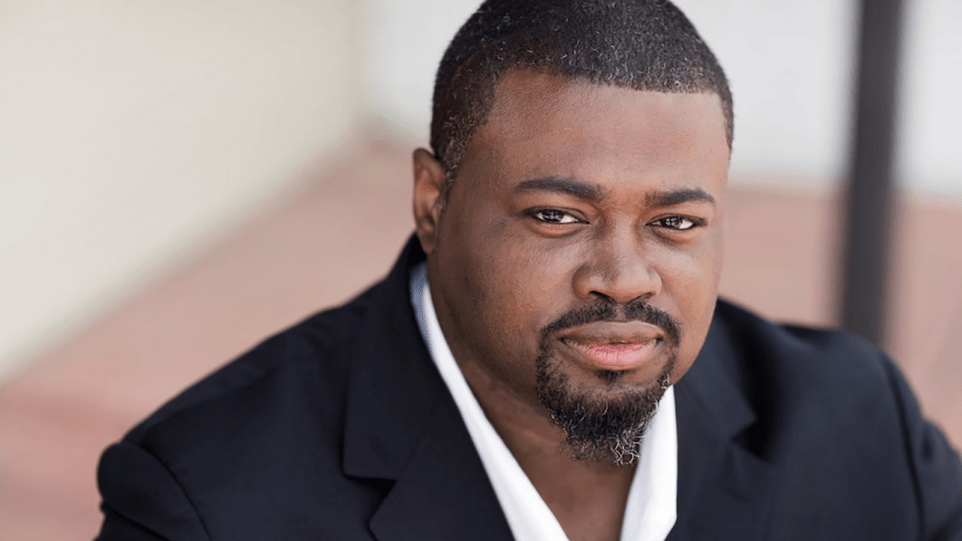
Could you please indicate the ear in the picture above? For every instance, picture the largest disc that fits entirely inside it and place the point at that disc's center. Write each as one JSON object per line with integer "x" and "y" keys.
{"x": 430, "y": 183}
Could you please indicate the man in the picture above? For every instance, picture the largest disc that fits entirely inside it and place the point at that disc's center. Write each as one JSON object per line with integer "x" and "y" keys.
{"x": 548, "y": 358}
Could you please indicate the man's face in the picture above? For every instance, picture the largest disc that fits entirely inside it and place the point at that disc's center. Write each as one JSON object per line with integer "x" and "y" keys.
{"x": 576, "y": 260}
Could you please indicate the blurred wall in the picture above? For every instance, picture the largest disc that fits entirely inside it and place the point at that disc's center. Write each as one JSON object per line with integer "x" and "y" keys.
{"x": 135, "y": 134}
{"x": 930, "y": 138}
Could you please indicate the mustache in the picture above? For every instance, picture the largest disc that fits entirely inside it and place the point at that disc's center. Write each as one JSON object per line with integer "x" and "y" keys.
{"x": 637, "y": 310}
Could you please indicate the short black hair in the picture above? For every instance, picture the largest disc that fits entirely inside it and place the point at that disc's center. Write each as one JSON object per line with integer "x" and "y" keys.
{"x": 640, "y": 44}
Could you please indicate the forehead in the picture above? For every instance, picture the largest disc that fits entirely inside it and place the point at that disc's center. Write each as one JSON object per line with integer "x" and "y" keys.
{"x": 543, "y": 124}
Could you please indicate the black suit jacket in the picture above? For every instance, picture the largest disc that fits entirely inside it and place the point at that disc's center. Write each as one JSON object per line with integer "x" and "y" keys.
{"x": 341, "y": 428}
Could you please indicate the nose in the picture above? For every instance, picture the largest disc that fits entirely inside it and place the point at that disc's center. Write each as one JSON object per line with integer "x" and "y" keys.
{"x": 618, "y": 268}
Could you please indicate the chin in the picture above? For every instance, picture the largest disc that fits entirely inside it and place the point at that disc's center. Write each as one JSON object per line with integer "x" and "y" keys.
{"x": 603, "y": 413}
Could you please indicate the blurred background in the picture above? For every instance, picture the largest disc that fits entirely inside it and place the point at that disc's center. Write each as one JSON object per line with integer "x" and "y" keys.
{"x": 179, "y": 180}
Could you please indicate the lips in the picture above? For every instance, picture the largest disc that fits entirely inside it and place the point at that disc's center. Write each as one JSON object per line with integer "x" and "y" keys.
{"x": 615, "y": 356}
{"x": 613, "y": 345}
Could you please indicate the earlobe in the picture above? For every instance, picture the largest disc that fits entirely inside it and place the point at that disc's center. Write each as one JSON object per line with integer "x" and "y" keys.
{"x": 429, "y": 185}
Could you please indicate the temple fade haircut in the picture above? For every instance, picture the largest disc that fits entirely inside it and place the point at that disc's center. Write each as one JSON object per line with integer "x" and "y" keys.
{"x": 640, "y": 44}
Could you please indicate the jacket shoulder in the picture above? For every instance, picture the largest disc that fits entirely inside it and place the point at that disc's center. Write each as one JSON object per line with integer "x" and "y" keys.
{"x": 839, "y": 421}
{"x": 316, "y": 345}
{"x": 267, "y": 427}
{"x": 827, "y": 384}
{"x": 809, "y": 359}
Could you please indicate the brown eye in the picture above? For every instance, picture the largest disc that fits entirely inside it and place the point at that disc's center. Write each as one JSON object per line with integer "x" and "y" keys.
{"x": 678, "y": 223}
{"x": 554, "y": 216}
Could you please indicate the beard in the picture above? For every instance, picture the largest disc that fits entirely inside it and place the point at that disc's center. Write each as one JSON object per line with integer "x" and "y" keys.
{"x": 603, "y": 426}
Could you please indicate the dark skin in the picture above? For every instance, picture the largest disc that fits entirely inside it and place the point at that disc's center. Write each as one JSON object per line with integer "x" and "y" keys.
{"x": 569, "y": 194}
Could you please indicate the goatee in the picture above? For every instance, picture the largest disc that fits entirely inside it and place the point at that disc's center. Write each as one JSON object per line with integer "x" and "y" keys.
{"x": 603, "y": 426}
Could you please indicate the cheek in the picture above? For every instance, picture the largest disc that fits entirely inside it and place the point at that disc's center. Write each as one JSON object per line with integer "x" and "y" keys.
{"x": 497, "y": 281}
{"x": 520, "y": 284}
{"x": 692, "y": 286}
{"x": 515, "y": 285}
{"x": 690, "y": 274}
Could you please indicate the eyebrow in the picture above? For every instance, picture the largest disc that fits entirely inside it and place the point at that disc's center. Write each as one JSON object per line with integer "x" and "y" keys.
{"x": 677, "y": 197}
{"x": 592, "y": 192}
{"x": 569, "y": 186}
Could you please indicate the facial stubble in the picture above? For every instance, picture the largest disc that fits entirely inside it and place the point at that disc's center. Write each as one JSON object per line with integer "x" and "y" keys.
{"x": 605, "y": 425}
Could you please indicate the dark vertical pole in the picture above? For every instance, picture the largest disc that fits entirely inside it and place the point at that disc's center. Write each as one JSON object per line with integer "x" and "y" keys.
{"x": 870, "y": 170}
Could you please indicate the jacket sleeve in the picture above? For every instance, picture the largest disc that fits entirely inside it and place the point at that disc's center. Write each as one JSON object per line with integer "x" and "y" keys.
{"x": 142, "y": 500}
{"x": 936, "y": 467}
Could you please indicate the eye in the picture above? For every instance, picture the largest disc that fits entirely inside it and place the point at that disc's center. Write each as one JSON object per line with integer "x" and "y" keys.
{"x": 678, "y": 223}
{"x": 555, "y": 216}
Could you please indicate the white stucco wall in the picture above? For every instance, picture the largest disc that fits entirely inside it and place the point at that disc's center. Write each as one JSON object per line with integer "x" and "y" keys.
{"x": 135, "y": 133}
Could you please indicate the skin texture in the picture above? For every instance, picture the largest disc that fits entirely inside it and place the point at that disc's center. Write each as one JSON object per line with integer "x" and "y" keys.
{"x": 509, "y": 254}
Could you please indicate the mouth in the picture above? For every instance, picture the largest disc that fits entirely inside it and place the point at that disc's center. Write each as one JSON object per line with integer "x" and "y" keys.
{"x": 613, "y": 345}
{"x": 614, "y": 356}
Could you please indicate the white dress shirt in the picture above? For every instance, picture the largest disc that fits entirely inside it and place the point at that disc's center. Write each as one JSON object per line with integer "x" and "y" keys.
{"x": 650, "y": 511}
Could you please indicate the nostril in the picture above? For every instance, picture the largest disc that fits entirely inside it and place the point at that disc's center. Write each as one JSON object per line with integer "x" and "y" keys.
{"x": 621, "y": 302}
{"x": 603, "y": 297}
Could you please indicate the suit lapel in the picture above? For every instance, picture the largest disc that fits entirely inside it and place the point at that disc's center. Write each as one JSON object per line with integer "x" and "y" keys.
{"x": 444, "y": 492}
{"x": 402, "y": 425}
{"x": 724, "y": 490}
